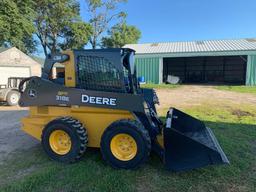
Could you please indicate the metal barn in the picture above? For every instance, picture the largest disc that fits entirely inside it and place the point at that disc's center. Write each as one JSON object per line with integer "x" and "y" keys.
{"x": 198, "y": 62}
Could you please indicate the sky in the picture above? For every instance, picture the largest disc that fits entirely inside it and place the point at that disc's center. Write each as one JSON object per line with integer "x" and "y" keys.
{"x": 186, "y": 20}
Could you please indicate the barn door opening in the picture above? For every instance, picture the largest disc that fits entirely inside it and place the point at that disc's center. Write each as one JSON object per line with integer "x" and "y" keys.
{"x": 210, "y": 70}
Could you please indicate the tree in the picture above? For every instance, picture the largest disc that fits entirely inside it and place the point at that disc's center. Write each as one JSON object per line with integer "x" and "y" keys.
{"x": 102, "y": 12}
{"x": 121, "y": 34}
{"x": 16, "y": 24}
{"x": 59, "y": 26}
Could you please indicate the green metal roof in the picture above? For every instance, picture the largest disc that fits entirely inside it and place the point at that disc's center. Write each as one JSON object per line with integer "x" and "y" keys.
{"x": 218, "y": 47}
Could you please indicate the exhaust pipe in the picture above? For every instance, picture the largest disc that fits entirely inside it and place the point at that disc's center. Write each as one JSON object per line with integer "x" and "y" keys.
{"x": 189, "y": 144}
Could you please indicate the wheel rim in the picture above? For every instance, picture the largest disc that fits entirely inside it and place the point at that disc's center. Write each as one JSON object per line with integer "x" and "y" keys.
{"x": 14, "y": 98}
{"x": 123, "y": 147}
{"x": 60, "y": 142}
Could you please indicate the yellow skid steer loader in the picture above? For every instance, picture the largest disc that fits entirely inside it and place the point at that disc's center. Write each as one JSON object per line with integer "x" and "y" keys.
{"x": 97, "y": 102}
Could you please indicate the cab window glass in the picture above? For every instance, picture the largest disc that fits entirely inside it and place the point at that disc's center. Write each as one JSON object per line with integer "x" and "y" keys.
{"x": 98, "y": 73}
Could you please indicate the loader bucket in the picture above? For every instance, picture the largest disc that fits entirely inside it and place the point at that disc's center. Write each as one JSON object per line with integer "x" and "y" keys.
{"x": 188, "y": 144}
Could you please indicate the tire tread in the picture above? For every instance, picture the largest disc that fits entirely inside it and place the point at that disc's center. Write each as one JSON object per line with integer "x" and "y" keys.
{"x": 80, "y": 131}
{"x": 140, "y": 129}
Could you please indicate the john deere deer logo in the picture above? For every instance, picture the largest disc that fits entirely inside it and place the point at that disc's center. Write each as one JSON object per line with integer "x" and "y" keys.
{"x": 32, "y": 93}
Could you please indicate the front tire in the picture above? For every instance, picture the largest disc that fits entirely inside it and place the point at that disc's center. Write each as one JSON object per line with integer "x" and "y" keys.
{"x": 13, "y": 98}
{"x": 65, "y": 139}
{"x": 125, "y": 144}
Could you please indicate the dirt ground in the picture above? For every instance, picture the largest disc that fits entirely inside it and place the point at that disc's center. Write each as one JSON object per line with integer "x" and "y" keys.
{"x": 196, "y": 95}
{"x": 12, "y": 138}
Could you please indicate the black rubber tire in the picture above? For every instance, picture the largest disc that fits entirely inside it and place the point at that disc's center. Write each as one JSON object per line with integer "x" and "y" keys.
{"x": 9, "y": 96}
{"x": 76, "y": 131}
{"x": 139, "y": 134}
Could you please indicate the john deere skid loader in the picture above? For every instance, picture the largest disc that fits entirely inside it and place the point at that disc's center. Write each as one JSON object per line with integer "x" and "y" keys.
{"x": 97, "y": 102}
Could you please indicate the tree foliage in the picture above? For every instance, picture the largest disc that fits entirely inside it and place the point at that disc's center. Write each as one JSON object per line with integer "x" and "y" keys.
{"x": 59, "y": 26}
{"x": 102, "y": 12}
{"x": 121, "y": 34}
{"x": 16, "y": 24}
{"x": 56, "y": 25}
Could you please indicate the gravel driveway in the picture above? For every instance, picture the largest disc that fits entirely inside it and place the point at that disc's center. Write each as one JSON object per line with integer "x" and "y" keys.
{"x": 11, "y": 137}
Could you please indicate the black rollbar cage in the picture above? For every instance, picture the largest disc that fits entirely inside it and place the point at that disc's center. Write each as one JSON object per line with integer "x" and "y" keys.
{"x": 50, "y": 61}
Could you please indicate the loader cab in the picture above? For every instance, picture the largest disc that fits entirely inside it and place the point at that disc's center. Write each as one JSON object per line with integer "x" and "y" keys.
{"x": 110, "y": 70}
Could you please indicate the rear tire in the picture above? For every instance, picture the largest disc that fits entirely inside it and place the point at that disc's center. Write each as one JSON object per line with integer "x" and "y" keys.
{"x": 65, "y": 139}
{"x": 125, "y": 144}
{"x": 13, "y": 98}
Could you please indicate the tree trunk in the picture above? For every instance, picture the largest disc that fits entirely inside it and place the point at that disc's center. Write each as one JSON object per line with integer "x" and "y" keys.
{"x": 45, "y": 50}
{"x": 94, "y": 43}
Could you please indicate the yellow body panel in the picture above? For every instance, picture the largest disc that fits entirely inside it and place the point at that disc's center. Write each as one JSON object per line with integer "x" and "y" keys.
{"x": 160, "y": 140}
{"x": 96, "y": 120}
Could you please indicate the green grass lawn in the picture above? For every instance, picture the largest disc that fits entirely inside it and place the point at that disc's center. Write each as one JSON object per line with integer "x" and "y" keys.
{"x": 235, "y": 128}
{"x": 241, "y": 89}
{"x": 159, "y": 86}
